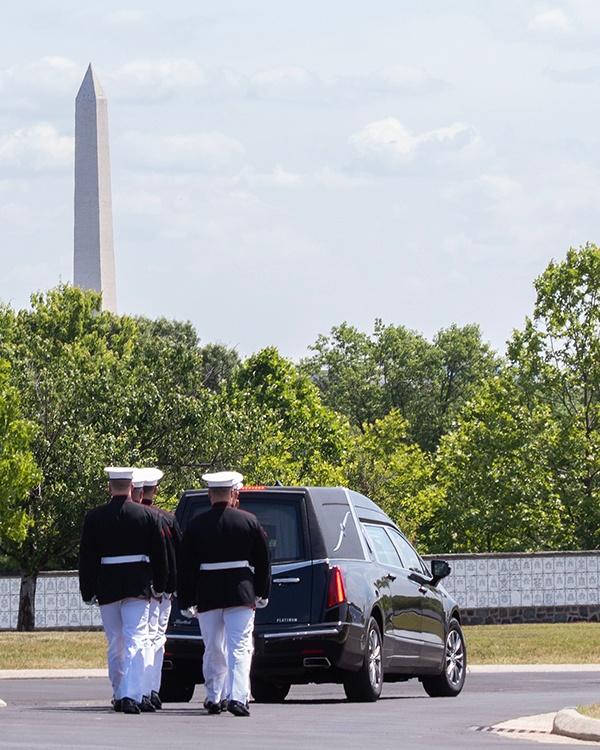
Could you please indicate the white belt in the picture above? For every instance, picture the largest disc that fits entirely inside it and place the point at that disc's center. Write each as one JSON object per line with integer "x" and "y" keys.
{"x": 124, "y": 559}
{"x": 225, "y": 565}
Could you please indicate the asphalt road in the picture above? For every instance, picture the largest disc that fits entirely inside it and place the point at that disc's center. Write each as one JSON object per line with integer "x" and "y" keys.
{"x": 58, "y": 713}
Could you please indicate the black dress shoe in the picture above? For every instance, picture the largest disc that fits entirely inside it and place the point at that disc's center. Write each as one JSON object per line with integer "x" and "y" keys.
{"x": 213, "y": 708}
{"x": 146, "y": 706}
{"x": 129, "y": 706}
{"x": 155, "y": 700}
{"x": 117, "y": 704}
{"x": 237, "y": 708}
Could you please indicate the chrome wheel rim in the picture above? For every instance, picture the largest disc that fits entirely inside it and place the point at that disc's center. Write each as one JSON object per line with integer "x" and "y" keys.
{"x": 455, "y": 658}
{"x": 375, "y": 659}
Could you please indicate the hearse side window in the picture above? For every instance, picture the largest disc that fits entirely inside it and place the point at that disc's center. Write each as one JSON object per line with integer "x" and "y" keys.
{"x": 409, "y": 556}
{"x": 339, "y": 532}
{"x": 385, "y": 552}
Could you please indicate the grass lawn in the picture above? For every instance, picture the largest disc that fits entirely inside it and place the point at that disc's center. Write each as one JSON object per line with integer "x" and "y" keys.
{"x": 572, "y": 643}
{"x": 560, "y": 643}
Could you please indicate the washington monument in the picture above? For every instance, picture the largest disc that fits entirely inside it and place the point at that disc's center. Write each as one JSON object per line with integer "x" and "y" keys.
{"x": 94, "y": 257}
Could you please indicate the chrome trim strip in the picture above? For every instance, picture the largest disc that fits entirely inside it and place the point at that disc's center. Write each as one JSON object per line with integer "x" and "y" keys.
{"x": 184, "y": 637}
{"x": 300, "y": 633}
{"x": 278, "y": 568}
{"x": 361, "y": 532}
{"x": 333, "y": 630}
{"x": 286, "y": 580}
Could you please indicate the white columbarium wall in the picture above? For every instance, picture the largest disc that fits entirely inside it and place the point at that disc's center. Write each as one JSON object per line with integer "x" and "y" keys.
{"x": 58, "y": 603}
{"x": 547, "y": 579}
{"x": 481, "y": 584}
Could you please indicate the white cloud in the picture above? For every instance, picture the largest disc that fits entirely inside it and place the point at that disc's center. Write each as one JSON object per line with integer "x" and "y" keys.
{"x": 125, "y": 17}
{"x": 29, "y": 86}
{"x": 36, "y": 148}
{"x": 202, "y": 152}
{"x": 389, "y": 141}
{"x": 551, "y": 21}
{"x": 279, "y": 177}
{"x": 386, "y": 137}
{"x": 501, "y": 186}
{"x": 332, "y": 179}
{"x": 156, "y": 79}
{"x": 587, "y": 12}
{"x": 285, "y": 83}
{"x": 403, "y": 79}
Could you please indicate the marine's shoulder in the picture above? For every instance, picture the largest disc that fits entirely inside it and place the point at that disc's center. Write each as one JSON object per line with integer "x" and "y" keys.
{"x": 137, "y": 510}
{"x": 98, "y": 510}
{"x": 244, "y": 516}
{"x": 167, "y": 514}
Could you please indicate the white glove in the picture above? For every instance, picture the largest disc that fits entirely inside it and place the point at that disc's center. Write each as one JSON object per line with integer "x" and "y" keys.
{"x": 166, "y": 597}
{"x": 190, "y": 611}
{"x": 92, "y": 601}
{"x": 156, "y": 594}
{"x": 260, "y": 603}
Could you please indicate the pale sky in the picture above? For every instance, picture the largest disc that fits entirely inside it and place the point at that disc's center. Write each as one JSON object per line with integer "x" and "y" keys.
{"x": 281, "y": 167}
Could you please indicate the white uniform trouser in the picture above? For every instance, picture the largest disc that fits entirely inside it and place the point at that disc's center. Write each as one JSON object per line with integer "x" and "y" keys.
{"x": 157, "y": 629}
{"x": 126, "y": 626}
{"x": 228, "y": 648}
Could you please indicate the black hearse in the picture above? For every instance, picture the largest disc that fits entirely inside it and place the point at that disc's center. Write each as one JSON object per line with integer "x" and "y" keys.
{"x": 352, "y": 602}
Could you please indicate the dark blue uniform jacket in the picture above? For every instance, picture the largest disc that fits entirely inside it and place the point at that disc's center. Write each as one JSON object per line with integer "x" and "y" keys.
{"x": 121, "y": 527}
{"x": 223, "y": 534}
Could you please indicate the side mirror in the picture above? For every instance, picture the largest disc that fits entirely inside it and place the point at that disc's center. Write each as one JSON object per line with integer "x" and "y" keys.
{"x": 439, "y": 569}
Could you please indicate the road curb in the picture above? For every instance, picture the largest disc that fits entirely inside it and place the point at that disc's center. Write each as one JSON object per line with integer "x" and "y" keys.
{"x": 499, "y": 668}
{"x": 54, "y": 674}
{"x": 568, "y": 722}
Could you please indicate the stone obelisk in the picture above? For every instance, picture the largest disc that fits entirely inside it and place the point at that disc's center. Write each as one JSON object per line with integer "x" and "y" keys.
{"x": 94, "y": 256}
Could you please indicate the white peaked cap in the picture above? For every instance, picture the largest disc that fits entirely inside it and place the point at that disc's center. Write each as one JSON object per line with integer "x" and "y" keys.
{"x": 152, "y": 477}
{"x": 138, "y": 478}
{"x": 119, "y": 472}
{"x": 223, "y": 479}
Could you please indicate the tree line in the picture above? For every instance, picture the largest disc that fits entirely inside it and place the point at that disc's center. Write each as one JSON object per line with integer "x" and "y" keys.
{"x": 467, "y": 450}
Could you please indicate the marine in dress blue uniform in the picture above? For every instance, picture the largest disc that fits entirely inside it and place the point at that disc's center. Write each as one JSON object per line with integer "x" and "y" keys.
{"x": 122, "y": 560}
{"x": 223, "y": 572}
{"x": 160, "y": 608}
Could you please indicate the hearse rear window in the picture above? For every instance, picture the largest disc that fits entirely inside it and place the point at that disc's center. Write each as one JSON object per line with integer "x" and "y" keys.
{"x": 281, "y": 520}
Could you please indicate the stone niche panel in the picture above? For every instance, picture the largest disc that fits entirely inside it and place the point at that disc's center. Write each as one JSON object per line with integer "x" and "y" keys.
{"x": 536, "y": 580}
{"x": 534, "y": 588}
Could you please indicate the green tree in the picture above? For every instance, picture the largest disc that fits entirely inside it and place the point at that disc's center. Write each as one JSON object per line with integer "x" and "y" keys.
{"x": 494, "y": 471}
{"x": 395, "y": 474}
{"x": 276, "y": 427}
{"x": 218, "y": 366}
{"x": 18, "y": 469}
{"x": 66, "y": 357}
{"x": 365, "y": 378}
{"x": 558, "y": 360}
{"x": 344, "y": 368}
{"x": 521, "y": 471}
{"x": 172, "y": 418}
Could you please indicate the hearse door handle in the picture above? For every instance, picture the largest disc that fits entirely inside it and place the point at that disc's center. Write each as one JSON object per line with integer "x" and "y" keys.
{"x": 391, "y": 576}
{"x": 286, "y": 580}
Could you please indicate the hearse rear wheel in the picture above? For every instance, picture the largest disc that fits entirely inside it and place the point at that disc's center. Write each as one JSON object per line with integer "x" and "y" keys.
{"x": 264, "y": 691}
{"x": 365, "y": 685}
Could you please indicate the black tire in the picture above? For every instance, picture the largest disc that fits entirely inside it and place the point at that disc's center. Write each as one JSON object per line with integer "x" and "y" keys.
{"x": 264, "y": 691}
{"x": 365, "y": 685}
{"x": 176, "y": 688}
{"x": 450, "y": 682}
